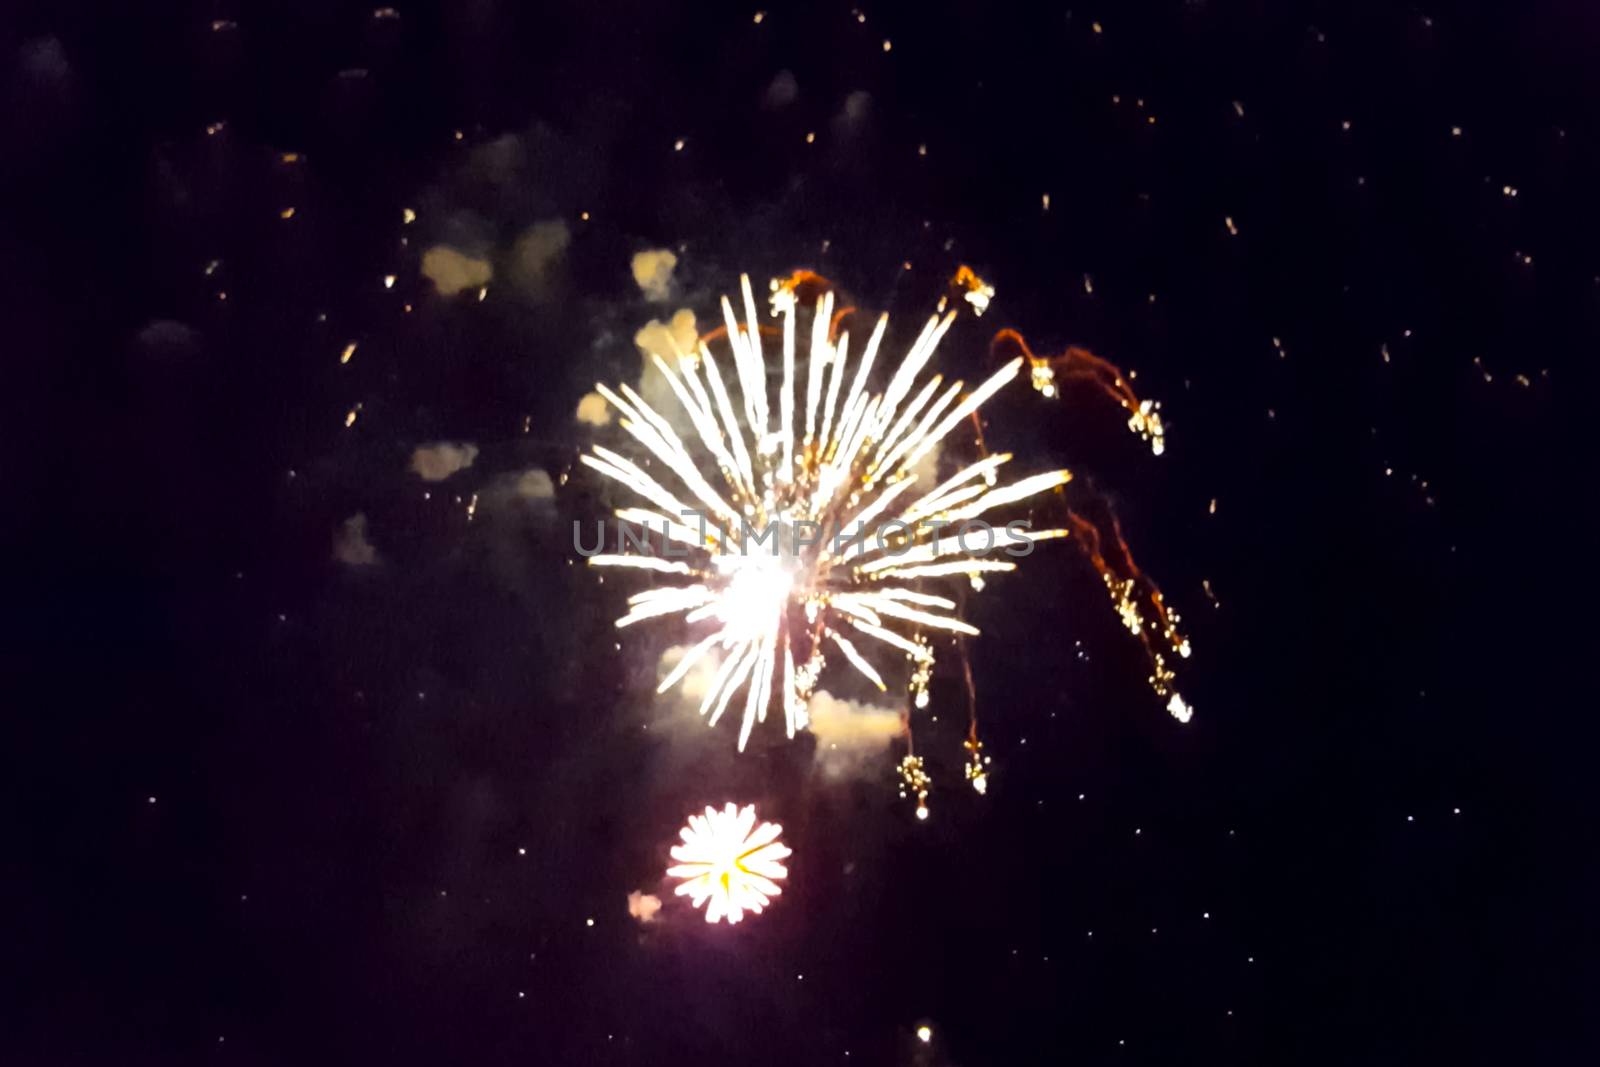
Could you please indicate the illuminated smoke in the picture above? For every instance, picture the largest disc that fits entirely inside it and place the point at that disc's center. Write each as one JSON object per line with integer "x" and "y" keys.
{"x": 350, "y": 544}
{"x": 453, "y": 272}
{"x": 438, "y": 461}
{"x": 652, "y": 272}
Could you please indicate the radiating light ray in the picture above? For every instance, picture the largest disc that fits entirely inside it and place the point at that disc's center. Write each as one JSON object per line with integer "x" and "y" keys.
{"x": 644, "y": 563}
{"x": 686, "y": 663}
{"x": 857, "y": 661}
{"x": 906, "y": 417}
{"x": 820, "y": 352}
{"x": 892, "y": 461}
{"x": 729, "y": 421}
{"x": 945, "y": 570}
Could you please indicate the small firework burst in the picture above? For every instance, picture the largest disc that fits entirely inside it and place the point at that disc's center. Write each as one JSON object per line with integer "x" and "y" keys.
{"x": 729, "y": 862}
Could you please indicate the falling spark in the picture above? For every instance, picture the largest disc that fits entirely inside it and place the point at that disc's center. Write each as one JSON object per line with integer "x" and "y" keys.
{"x": 1144, "y": 416}
{"x": 729, "y": 862}
{"x": 1137, "y": 600}
{"x": 349, "y": 351}
{"x": 915, "y": 782}
{"x": 977, "y": 765}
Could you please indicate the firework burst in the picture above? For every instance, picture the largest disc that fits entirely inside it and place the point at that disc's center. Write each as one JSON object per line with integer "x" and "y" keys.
{"x": 826, "y": 482}
{"x": 837, "y": 460}
{"x": 729, "y": 862}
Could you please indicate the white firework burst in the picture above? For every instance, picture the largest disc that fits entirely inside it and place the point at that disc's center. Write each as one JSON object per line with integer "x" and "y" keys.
{"x": 837, "y": 458}
{"x": 730, "y": 861}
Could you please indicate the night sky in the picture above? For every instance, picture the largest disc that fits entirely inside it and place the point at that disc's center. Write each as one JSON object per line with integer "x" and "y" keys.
{"x": 275, "y": 793}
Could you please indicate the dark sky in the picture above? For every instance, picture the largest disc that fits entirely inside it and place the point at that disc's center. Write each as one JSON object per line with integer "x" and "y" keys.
{"x": 264, "y": 807}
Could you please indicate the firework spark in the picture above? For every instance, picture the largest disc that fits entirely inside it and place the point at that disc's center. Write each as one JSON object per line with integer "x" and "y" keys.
{"x": 836, "y": 455}
{"x": 729, "y": 862}
{"x": 915, "y": 781}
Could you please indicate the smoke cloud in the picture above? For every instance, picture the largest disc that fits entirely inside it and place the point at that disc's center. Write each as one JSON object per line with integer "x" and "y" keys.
{"x": 438, "y": 461}
{"x": 781, "y": 91}
{"x": 593, "y": 410}
{"x": 537, "y": 256}
{"x": 643, "y": 906}
{"x": 652, "y": 272}
{"x": 453, "y": 272}
{"x": 534, "y": 484}
{"x": 667, "y": 340}
{"x": 350, "y": 544}
{"x": 850, "y": 734}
